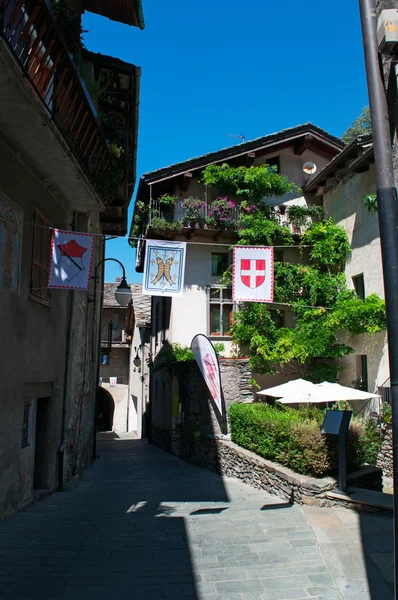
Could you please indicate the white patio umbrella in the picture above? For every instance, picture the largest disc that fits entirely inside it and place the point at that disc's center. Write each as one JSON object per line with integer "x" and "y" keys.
{"x": 296, "y": 386}
{"x": 327, "y": 392}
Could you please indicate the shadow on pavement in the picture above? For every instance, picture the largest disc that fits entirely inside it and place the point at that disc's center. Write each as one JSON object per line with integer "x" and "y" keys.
{"x": 119, "y": 534}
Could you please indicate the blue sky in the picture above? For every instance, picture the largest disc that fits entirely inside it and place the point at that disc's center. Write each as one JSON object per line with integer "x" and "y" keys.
{"x": 222, "y": 67}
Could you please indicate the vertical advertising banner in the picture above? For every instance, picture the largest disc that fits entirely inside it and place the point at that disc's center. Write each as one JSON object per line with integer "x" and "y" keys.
{"x": 164, "y": 268}
{"x": 207, "y": 360}
{"x": 253, "y": 274}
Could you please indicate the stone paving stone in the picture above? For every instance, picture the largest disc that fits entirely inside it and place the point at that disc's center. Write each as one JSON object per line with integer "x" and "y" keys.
{"x": 285, "y": 594}
{"x": 142, "y": 522}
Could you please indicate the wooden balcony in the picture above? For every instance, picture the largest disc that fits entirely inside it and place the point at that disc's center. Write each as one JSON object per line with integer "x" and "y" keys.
{"x": 31, "y": 34}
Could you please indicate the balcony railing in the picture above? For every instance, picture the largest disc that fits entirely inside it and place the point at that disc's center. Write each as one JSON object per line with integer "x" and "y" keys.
{"x": 29, "y": 29}
{"x": 177, "y": 213}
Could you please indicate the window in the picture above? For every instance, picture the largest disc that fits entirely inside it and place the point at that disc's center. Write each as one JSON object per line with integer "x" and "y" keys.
{"x": 359, "y": 285}
{"x": 278, "y": 317}
{"x": 219, "y": 263}
{"x": 273, "y": 163}
{"x": 361, "y": 382}
{"x": 41, "y": 255}
{"x": 26, "y": 424}
{"x": 220, "y": 310}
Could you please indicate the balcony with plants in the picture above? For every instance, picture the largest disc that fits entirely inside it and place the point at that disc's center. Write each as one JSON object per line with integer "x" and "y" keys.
{"x": 240, "y": 202}
{"x": 45, "y": 40}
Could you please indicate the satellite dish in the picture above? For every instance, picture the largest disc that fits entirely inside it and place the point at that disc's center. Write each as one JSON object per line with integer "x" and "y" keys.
{"x": 309, "y": 168}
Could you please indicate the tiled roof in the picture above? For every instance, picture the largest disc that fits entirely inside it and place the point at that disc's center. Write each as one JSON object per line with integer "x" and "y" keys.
{"x": 142, "y": 304}
{"x": 289, "y": 134}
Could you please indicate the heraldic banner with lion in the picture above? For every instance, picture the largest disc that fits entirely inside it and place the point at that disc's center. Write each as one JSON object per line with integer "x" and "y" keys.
{"x": 164, "y": 268}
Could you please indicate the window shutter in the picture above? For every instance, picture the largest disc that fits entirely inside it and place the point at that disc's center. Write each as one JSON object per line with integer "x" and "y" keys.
{"x": 40, "y": 258}
{"x": 47, "y": 234}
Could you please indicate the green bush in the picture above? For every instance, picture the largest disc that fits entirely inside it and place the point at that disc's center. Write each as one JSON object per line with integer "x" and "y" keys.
{"x": 292, "y": 437}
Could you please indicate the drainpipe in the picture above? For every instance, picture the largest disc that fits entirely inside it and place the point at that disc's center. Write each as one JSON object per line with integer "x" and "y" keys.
{"x": 387, "y": 204}
{"x": 65, "y": 408}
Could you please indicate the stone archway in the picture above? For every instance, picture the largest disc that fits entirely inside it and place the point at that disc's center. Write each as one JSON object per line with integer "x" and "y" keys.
{"x": 105, "y": 410}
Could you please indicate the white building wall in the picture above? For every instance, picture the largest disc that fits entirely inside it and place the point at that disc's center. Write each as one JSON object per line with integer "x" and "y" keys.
{"x": 345, "y": 205}
{"x": 189, "y": 312}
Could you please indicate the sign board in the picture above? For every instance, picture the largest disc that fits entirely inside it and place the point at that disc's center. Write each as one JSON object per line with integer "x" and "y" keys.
{"x": 113, "y": 381}
{"x": 336, "y": 422}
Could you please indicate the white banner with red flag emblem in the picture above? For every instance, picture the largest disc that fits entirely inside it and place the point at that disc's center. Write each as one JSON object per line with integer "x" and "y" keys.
{"x": 207, "y": 360}
{"x": 253, "y": 274}
{"x": 71, "y": 257}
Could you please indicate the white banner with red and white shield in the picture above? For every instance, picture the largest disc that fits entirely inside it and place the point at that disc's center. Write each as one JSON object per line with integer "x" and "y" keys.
{"x": 253, "y": 274}
{"x": 207, "y": 360}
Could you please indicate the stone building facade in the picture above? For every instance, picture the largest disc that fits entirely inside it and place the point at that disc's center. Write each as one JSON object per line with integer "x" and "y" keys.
{"x": 342, "y": 185}
{"x": 52, "y": 150}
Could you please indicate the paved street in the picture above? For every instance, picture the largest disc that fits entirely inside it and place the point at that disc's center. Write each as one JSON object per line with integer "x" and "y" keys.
{"x": 142, "y": 524}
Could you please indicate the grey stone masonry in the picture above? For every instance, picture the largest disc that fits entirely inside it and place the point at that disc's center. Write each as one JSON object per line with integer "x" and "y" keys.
{"x": 385, "y": 460}
{"x": 234, "y": 461}
{"x": 238, "y": 462}
{"x": 235, "y": 378}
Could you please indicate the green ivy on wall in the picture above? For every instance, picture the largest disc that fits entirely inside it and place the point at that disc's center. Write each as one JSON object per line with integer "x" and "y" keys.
{"x": 321, "y": 303}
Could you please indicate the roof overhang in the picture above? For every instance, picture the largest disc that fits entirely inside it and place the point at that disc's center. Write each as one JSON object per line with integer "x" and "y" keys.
{"x": 355, "y": 157}
{"x": 124, "y": 11}
{"x": 121, "y": 96}
{"x": 302, "y": 137}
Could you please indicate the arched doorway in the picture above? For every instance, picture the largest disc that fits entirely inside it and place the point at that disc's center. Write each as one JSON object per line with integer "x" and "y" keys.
{"x": 105, "y": 411}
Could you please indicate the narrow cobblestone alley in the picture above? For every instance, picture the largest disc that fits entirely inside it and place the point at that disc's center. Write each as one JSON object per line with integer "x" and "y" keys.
{"x": 143, "y": 524}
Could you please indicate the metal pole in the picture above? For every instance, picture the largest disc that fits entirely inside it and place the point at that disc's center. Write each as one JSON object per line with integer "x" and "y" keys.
{"x": 388, "y": 222}
{"x": 342, "y": 441}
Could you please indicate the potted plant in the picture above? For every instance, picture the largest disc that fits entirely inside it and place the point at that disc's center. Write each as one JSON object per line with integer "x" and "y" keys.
{"x": 167, "y": 199}
{"x": 194, "y": 209}
{"x": 221, "y": 214}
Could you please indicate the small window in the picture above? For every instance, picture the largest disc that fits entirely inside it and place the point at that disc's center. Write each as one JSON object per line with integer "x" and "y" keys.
{"x": 220, "y": 311}
{"x": 361, "y": 382}
{"x": 219, "y": 263}
{"x": 273, "y": 164}
{"x": 26, "y": 424}
{"x": 41, "y": 256}
{"x": 359, "y": 285}
{"x": 278, "y": 317}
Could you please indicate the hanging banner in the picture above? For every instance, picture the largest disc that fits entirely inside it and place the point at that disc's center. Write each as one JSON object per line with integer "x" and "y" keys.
{"x": 164, "y": 268}
{"x": 71, "y": 257}
{"x": 253, "y": 274}
{"x": 208, "y": 364}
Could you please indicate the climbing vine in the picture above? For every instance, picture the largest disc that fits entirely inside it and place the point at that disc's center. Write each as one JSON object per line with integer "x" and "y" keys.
{"x": 316, "y": 290}
{"x": 252, "y": 183}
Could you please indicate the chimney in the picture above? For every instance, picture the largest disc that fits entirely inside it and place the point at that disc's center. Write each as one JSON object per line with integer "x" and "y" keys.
{"x": 118, "y": 279}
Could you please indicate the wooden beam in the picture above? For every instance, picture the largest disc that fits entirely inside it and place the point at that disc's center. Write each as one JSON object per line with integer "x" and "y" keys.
{"x": 250, "y": 158}
{"x": 186, "y": 180}
{"x": 302, "y": 144}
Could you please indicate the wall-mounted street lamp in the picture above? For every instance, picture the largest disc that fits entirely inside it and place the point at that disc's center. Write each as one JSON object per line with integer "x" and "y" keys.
{"x": 123, "y": 293}
{"x": 137, "y": 360}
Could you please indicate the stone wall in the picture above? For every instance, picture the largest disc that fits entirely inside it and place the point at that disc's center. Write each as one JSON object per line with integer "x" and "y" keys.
{"x": 237, "y": 462}
{"x": 258, "y": 472}
{"x": 385, "y": 458}
{"x": 235, "y": 379}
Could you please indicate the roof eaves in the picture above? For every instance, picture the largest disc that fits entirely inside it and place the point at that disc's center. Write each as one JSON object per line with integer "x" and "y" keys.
{"x": 359, "y": 144}
{"x": 140, "y": 14}
{"x": 199, "y": 162}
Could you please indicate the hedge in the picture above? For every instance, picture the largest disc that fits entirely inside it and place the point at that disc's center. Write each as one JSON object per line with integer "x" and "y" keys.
{"x": 292, "y": 437}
